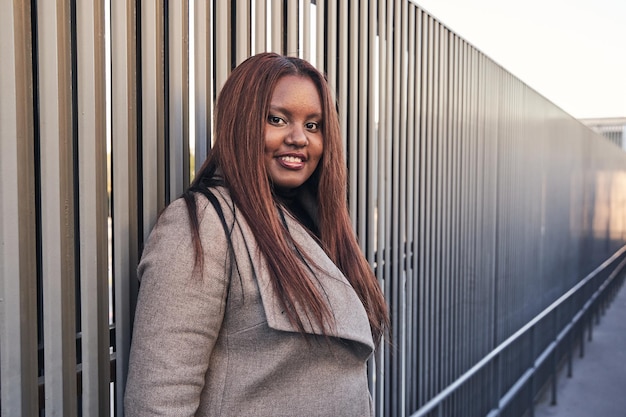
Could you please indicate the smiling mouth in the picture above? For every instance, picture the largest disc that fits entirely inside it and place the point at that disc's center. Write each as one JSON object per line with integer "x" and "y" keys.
{"x": 291, "y": 159}
{"x": 291, "y": 162}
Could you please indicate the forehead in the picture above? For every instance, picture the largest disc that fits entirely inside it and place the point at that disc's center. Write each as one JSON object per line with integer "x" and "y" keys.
{"x": 296, "y": 90}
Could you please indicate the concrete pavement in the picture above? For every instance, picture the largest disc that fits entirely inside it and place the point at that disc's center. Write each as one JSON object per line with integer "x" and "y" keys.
{"x": 598, "y": 385}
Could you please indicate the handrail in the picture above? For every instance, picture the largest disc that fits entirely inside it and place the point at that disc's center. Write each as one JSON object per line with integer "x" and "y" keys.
{"x": 450, "y": 389}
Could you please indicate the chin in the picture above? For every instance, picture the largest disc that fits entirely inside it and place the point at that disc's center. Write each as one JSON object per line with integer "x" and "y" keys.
{"x": 287, "y": 185}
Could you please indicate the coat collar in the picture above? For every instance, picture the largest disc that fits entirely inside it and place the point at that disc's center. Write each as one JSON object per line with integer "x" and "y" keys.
{"x": 351, "y": 321}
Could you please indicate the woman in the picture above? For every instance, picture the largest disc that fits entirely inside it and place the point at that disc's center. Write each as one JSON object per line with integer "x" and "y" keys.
{"x": 255, "y": 298}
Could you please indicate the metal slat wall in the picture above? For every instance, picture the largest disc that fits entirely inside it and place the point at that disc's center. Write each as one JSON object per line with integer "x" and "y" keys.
{"x": 18, "y": 251}
{"x": 56, "y": 279}
{"x": 477, "y": 202}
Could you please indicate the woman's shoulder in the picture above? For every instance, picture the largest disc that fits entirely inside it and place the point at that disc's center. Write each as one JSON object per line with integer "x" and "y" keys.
{"x": 209, "y": 208}
{"x": 213, "y": 202}
{"x": 204, "y": 202}
{"x": 174, "y": 233}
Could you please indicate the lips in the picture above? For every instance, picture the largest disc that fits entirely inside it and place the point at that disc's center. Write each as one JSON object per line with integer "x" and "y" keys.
{"x": 291, "y": 161}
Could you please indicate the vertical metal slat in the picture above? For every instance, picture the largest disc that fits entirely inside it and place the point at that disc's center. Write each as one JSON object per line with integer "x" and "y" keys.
{"x": 242, "y": 31}
{"x": 222, "y": 44}
{"x": 293, "y": 24}
{"x": 125, "y": 211}
{"x": 277, "y": 27}
{"x": 306, "y": 30}
{"x": 93, "y": 209}
{"x": 18, "y": 258}
{"x": 320, "y": 32}
{"x": 153, "y": 115}
{"x": 203, "y": 81}
{"x": 57, "y": 207}
{"x": 351, "y": 62}
{"x": 178, "y": 95}
{"x": 260, "y": 25}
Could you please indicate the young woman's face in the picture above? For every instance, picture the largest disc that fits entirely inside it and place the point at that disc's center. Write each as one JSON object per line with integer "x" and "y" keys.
{"x": 293, "y": 132}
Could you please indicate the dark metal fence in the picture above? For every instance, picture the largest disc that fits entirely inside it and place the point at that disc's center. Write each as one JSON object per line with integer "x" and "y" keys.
{"x": 478, "y": 202}
{"x": 514, "y": 374}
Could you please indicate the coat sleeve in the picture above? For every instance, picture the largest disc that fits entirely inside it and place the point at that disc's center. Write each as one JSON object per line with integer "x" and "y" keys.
{"x": 179, "y": 314}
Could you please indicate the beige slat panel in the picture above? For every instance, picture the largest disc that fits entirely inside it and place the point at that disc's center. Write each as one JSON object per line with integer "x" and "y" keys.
{"x": 93, "y": 208}
{"x": 152, "y": 113}
{"x": 242, "y": 31}
{"x": 320, "y": 34}
{"x": 422, "y": 20}
{"x": 306, "y": 30}
{"x": 203, "y": 73}
{"x": 57, "y": 207}
{"x": 400, "y": 225}
{"x": 332, "y": 48}
{"x": 260, "y": 26}
{"x": 18, "y": 263}
{"x": 372, "y": 132}
{"x": 222, "y": 43}
{"x": 178, "y": 134}
{"x": 375, "y": 376}
{"x": 363, "y": 92}
{"x": 351, "y": 60}
{"x": 342, "y": 75}
{"x": 124, "y": 156}
{"x": 292, "y": 47}
{"x": 381, "y": 28}
{"x": 411, "y": 200}
{"x": 276, "y": 27}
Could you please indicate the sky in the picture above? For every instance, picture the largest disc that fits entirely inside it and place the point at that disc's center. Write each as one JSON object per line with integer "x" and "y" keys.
{"x": 573, "y": 52}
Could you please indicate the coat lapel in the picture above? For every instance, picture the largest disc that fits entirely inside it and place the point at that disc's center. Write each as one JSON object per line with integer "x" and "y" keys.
{"x": 351, "y": 320}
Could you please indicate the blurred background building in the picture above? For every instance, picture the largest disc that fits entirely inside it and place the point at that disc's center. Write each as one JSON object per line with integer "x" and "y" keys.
{"x": 612, "y": 128}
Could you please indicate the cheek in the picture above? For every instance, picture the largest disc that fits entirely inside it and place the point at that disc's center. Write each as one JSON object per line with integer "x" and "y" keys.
{"x": 272, "y": 140}
{"x": 317, "y": 147}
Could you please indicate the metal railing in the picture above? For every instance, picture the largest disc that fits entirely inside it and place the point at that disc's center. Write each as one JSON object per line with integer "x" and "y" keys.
{"x": 554, "y": 334}
{"x": 477, "y": 201}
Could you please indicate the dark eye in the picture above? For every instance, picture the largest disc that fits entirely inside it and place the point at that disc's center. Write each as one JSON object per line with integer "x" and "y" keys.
{"x": 312, "y": 126}
{"x": 275, "y": 120}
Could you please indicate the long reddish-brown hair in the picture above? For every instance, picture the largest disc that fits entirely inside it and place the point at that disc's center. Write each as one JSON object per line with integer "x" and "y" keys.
{"x": 241, "y": 113}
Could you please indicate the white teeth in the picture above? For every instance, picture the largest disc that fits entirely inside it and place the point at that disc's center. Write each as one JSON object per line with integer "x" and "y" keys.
{"x": 291, "y": 159}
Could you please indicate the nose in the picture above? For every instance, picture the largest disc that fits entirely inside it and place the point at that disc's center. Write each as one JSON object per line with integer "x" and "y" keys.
{"x": 297, "y": 137}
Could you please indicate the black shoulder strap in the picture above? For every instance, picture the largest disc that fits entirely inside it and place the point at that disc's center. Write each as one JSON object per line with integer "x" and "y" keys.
{"x": 227, "y": 230}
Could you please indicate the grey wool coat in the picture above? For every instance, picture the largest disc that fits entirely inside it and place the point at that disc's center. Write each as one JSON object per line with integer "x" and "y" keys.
{"x": 219, "y": 343}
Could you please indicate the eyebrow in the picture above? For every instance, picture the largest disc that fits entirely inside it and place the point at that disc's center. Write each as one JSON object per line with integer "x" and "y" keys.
{"x": 288, "y": 113}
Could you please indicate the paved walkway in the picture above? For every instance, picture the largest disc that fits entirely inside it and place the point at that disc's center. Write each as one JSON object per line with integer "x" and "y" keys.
{"x": 598, "y": 385}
